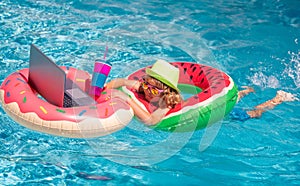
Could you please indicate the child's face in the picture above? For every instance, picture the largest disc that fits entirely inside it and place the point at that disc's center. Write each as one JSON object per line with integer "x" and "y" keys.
{"x": 152, "y": 93}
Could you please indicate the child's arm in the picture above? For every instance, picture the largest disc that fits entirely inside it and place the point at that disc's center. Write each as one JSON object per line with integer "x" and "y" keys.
{"x": 119, "y": 82}
{"x": 144, "y": 116}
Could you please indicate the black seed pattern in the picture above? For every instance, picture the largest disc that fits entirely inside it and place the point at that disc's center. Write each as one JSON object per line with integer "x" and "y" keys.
{"x": 211, "y": 77}
{"x": 191, "y": 77}
{"x": 194, "y": 69}
{"x": 201, "y": 73}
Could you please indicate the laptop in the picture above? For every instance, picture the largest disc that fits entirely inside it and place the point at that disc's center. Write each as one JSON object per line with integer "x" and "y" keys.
{"x": 50, "y": 81}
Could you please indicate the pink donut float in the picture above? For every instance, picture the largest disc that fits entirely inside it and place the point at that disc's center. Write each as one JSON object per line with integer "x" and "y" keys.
{"x": 26, "y": 107}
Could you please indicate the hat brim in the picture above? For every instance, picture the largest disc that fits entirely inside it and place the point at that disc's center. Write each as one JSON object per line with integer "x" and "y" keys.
{"x": 152, "y": 73}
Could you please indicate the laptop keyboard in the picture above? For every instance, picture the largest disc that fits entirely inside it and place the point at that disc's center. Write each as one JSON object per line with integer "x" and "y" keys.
{"x": 68, "y": 102}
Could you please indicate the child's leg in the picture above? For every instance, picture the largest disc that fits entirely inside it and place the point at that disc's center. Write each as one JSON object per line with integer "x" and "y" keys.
{"x": 280, "y": 97}
{"x": 247, "y": 90}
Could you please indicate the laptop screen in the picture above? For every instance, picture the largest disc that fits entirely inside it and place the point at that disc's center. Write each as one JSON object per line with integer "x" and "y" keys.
{"x": 46, "y": 77}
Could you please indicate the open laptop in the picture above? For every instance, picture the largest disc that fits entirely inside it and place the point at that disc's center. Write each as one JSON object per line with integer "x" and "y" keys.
{"x": 50, "y": 81}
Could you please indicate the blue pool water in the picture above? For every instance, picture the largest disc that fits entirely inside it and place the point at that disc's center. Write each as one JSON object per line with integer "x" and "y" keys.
{"x": 256, "y": 42}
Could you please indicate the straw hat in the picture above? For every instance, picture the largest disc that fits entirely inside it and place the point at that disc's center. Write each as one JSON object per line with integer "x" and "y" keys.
{"x": 164, "y": 72}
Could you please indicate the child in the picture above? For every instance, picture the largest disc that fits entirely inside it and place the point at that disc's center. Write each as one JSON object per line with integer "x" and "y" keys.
{"x": 159, "y": 87}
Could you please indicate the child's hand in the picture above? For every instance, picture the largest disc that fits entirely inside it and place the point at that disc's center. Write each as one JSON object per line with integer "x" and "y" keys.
{"x": 248, "y": 89}
{"x": 115, "y": 83}
{"x": 119, "y": 94}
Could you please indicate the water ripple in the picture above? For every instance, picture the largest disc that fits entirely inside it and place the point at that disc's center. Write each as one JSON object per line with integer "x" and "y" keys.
{"x": 256, "y": 42}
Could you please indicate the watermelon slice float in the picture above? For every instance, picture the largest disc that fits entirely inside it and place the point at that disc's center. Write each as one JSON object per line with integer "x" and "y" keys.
{"x": 209, "y": 94}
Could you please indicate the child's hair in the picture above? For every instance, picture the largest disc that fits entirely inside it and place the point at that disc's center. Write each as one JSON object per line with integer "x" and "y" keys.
{"x": 170, "y": 96}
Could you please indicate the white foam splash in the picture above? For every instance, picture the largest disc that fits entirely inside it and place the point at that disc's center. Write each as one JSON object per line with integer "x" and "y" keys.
{"x": 264, "y": 81}
{"x": 293, "y": 67}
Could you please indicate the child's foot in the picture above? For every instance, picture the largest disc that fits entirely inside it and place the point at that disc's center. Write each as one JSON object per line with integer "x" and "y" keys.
{"x": 247, "y": 89}
{"x": 285, "y": 96}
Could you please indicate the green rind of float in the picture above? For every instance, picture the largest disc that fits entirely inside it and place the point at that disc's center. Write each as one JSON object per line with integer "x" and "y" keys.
{"x": 201, "y": 117}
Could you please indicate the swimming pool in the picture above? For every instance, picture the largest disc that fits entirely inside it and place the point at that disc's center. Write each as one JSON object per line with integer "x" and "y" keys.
{"x": 255, "y": 42}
